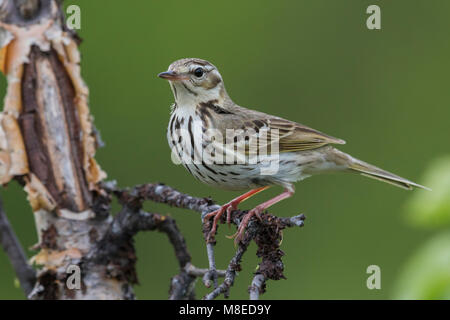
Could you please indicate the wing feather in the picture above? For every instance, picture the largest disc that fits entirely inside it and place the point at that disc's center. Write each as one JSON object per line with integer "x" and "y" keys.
{"x": 290, "y": 136}
{"x": 297, "y": 137}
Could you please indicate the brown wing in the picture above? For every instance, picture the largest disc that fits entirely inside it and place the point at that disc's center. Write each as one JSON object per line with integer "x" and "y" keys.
{"x": 297, "y": 137}
{"x": 291, "y": 136}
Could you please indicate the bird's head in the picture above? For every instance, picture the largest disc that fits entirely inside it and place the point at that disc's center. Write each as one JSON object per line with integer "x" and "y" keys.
{"x": 194, "y": 81}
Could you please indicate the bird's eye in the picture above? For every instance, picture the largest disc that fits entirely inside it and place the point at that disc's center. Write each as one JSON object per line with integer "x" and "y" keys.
{"x": 198, "y": 72}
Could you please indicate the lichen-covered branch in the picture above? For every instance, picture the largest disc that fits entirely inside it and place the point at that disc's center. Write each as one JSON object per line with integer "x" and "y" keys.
{"x": 233, "y": 267}
{"x": 257, "y": 287}
{"x": 211, "y": 276}
{"x": 161, "y": 193}
{"x": 116, "y": 249}
{"x": 266, "y": 233}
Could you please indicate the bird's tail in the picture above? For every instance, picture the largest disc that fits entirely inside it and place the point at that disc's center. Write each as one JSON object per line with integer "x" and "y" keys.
{"x": 373, "y": 172}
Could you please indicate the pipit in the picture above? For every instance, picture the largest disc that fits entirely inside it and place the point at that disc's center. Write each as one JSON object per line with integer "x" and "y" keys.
{"x": 265, "y": 150}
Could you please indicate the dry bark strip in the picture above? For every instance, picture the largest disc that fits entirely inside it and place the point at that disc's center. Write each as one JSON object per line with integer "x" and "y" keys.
{"x": 48, "y": 144}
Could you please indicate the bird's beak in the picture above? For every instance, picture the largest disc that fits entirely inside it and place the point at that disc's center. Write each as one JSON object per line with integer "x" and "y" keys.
{"x": 173, "y": 76}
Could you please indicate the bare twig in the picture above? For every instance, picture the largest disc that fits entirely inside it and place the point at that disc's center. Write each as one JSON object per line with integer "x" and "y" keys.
{"x": 161, "y": 193}
{"x": 232, "y": 270}
{"x": 116, "y": 249}
{"x": 200, "y": 272}
{"x": 131, "y": 220}
{"x": 15, "y": 253}
{"x": 211, "y": 275}
{"x": 257, "y": 287}
{"x": 266, "y": 233}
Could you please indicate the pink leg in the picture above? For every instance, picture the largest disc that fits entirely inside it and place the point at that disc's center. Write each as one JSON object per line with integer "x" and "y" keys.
{"x": 257, "y": 211}
{"x": 229, "y": 207}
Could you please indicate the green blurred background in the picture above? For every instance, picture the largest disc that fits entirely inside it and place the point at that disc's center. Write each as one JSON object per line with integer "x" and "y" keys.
{"x": 384, "y": 91}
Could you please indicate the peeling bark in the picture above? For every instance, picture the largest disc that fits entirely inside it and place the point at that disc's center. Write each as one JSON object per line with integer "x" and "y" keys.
{"x": 50, "y": 125}
{"x": 47, "y": 141}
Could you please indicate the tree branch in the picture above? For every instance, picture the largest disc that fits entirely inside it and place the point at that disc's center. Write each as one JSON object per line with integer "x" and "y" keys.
{"x": 233, "y": 267}
{"x": 198, "y": 272}
{"x": 211, "y": 275}
{"x": 161, "y": 193}
{"x": 9, "y": 242}
{"x": 116, "y": 249}
{"x": 257, "y": 287}
{"x": 266, "y": 233}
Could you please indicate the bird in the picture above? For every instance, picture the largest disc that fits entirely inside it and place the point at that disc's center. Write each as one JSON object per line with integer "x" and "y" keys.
{"x": 260, "y": 150}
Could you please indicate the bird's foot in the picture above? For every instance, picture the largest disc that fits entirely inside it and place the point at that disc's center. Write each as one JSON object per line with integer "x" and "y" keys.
{"x": 229, "y": 207}
{"x": 239, "y": 235}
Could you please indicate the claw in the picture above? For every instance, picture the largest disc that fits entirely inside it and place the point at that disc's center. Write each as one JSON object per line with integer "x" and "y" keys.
{"x": 229, "y": 210}
{"x": 229, "y": 207}
{"x": 216, "y": 214}
{"x": 239, "y": 235}
{"x": 232, "y": 236}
